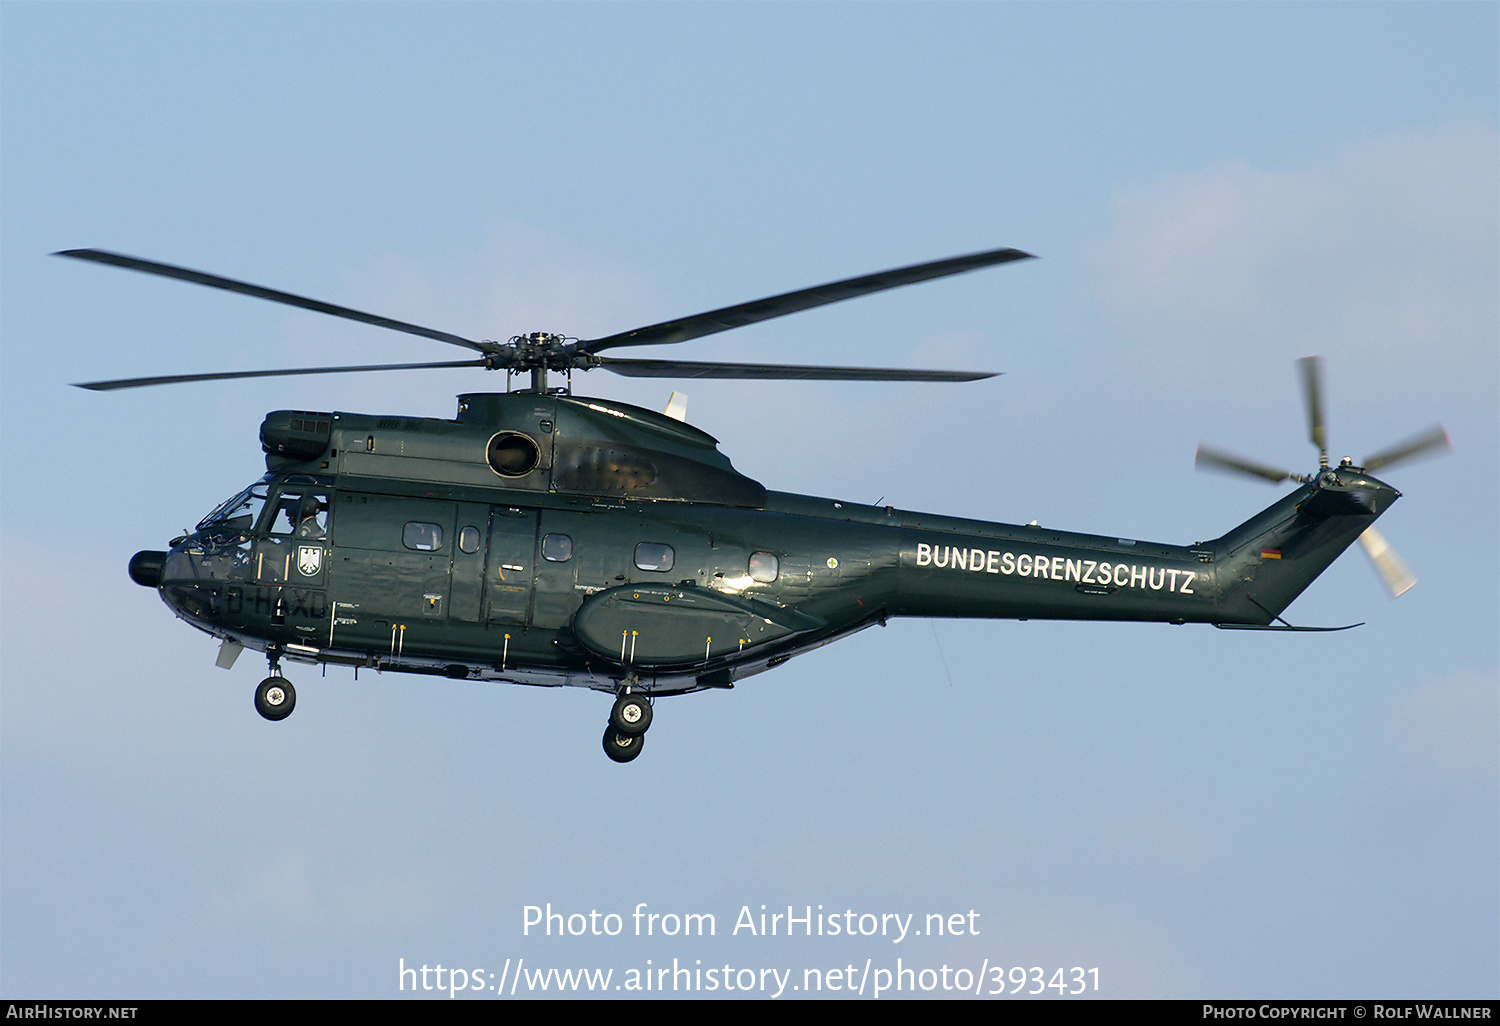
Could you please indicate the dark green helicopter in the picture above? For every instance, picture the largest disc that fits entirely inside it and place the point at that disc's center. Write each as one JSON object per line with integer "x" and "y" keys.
{"x": 545, "y": 538}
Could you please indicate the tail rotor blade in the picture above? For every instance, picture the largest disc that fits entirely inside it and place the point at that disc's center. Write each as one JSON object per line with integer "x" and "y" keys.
{"x": 1395, "y": 574}
{"x": 1429, "y": 442}
{"x": 1239, "y": 465}
{"x": 1312, "y": 391}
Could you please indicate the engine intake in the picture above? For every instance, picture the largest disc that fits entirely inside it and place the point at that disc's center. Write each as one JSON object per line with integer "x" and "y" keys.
{"x": 296, "y": 434}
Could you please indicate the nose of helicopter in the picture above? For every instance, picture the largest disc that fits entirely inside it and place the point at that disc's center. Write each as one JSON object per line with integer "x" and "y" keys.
{"x": 146, "y": 567}
{"x": 197, "y": 573}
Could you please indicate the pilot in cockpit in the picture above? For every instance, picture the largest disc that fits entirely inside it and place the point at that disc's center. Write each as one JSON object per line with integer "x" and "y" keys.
{"x": 311, "y": 519}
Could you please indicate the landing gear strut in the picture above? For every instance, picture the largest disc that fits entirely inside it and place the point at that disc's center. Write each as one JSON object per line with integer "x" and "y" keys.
{"x": 628, "y": 720}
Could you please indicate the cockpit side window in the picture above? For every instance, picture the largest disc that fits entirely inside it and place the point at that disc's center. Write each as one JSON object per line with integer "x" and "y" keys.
{"x": 304, "y": 514}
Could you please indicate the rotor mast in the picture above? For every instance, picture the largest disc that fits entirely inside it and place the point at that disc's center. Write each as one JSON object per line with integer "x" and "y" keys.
{"x": 542, "y": 352}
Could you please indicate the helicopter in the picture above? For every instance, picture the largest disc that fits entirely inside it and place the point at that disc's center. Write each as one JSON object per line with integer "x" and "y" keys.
{"x": 541, "y": 537}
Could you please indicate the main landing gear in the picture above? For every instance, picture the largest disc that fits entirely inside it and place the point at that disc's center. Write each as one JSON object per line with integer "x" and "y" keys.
{"x": 275, "y": 698}
{"x": 628, "y": 720}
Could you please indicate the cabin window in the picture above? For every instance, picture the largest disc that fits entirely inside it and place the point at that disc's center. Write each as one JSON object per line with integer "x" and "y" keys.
{"x": 763, "y": 567}
{"x": 512, "y": 454}
{"x": 422, "y": 537}
{"x": 557, "y": 548}
{"x": 468, "y": 540}
{"x": 654, "y": 556}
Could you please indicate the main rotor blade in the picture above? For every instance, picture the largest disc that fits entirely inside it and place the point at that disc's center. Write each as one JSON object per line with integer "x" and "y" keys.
{"x": 1394, "y": 574}
{"x": 1423, "y": 444}
{"x": 778, "y": 372}
{"x": 99, "y": 256}
{"x": 698, "y": 325}
{"x": 1237, "y": 464}
{"x": 1312, "y": 391}
{"x": 174, "y": 379}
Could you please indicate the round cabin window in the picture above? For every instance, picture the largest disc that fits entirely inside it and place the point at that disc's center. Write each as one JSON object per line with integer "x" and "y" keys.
{"x": 512, "y": 454}
{"x": 764, "y": 567}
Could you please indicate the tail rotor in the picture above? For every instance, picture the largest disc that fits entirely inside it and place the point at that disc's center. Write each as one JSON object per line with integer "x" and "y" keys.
{"x": 1392, "y": 571}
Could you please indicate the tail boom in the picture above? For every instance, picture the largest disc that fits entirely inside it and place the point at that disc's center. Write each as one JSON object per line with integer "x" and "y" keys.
{"x": 1248, "y": 576}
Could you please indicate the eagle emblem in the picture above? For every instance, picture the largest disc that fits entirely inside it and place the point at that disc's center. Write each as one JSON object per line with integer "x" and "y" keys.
{"x": 309, "y": 560}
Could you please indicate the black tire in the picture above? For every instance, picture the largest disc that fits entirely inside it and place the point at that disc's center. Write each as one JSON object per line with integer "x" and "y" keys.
{"x": 622, "y": 747}
{"x": 275, "y": 698}
{"x": 631, "y": 714}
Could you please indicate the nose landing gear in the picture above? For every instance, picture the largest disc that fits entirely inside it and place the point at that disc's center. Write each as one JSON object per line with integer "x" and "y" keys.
{"x": 275, "y": 698}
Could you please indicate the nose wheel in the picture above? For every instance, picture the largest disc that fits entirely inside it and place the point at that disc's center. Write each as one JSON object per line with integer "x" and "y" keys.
{"x": 628, "y": 721}
{"x": 275, "y": 698}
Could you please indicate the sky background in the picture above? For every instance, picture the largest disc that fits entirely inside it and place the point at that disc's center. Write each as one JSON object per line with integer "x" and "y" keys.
{"x": 1214, "y": 191}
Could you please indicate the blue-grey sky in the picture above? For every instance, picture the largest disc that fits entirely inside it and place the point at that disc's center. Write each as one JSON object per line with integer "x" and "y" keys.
{"x": 1215, "y": 190}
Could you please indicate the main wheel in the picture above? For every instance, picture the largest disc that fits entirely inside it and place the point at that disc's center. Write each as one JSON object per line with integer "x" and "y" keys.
{"x": 631, "y": 714}
{"x": 622, "y": 747}
{"x": 275, "y": 698}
